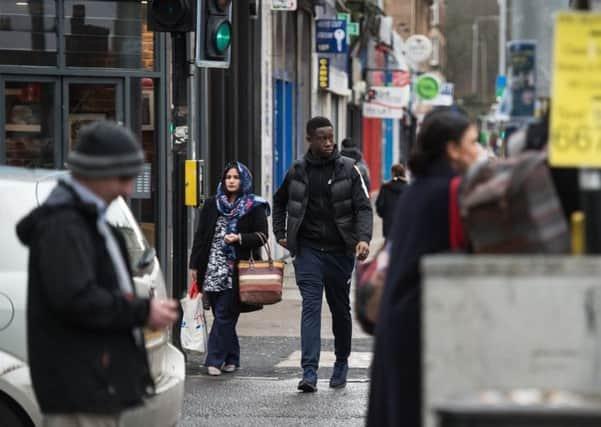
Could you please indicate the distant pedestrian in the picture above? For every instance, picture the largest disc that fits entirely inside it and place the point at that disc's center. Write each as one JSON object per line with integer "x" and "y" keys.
{"x": 85, "y": 343}
{"x": 447, "y": 144}
{"x": 322, "y": 214}
{"x": 389, "y": 195}
{"x": 231, "y": 226}
{"x": 349, "y": 149}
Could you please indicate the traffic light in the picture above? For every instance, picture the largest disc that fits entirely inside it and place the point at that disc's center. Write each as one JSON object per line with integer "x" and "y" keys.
{"x": 214, "y": 33}
{"x": 173, "y": 16}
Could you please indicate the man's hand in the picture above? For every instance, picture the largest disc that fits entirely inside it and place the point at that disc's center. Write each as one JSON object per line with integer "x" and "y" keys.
{"x": 362, "y": 251}
{"x": 283, "y": 242}
{"x": 231, "y": 238}
{"x": 163, "y": 312}
{"x": 193, "y": 274}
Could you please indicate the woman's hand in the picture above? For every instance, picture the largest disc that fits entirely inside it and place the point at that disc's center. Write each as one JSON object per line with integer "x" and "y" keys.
{"x": 231, "y": 238}
{"x": 193, "y": 274}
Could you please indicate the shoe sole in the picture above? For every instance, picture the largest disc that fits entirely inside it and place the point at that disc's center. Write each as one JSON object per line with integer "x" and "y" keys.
{"x": 307, "y": 388}
{"x": 338, "y": 385}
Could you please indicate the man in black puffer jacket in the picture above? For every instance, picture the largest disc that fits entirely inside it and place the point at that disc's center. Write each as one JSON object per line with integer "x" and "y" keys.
{"x": 85, "y": 343}
{"x": 323, "y": 215}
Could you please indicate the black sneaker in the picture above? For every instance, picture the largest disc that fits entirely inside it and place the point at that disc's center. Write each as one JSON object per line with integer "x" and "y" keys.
{"x": 307, "y": 385}
{"x": 338, "y": 379}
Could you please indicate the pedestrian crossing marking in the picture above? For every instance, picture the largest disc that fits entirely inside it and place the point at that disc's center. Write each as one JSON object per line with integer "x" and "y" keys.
{"x": 357, "y": 360}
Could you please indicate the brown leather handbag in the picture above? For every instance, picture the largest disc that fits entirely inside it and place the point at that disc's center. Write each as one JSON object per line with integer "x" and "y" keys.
{"x": 261, "y": 281}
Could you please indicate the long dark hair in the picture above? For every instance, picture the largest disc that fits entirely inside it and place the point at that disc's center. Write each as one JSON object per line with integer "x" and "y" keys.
{"x": 437, "y": 130}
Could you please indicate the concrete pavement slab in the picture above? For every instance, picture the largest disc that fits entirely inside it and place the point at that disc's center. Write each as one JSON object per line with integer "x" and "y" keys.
{"x": 264, "y": 402}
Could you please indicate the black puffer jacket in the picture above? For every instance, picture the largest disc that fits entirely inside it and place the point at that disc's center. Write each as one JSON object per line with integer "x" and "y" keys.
{"x": 390, "y": 192}
{"x": 351, "y": 208}
{"x": 82, "y": 352}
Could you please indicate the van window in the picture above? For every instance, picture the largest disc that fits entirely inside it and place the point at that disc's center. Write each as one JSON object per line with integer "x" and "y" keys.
{"x": 120, "y": 217}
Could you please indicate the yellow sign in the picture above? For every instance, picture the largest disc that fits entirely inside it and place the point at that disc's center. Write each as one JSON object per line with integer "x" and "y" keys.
{"x": 575, "y": 138}
{"x": 191, "y": 185}
{"x": 324, "y": 73}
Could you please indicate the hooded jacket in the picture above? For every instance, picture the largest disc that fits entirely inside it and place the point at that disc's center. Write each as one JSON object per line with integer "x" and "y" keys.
{"x": 390, "y": 192}
{"x": 347, "y": 200}
{"x": 354, "y": 153}
{"x": 83, "y": 355}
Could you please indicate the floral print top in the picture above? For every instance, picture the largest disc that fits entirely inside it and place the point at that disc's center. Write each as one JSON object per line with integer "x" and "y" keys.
{"x": 218, "y": 277}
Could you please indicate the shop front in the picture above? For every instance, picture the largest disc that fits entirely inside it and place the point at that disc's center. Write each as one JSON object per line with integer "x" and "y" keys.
{"x": 66, "y": 63}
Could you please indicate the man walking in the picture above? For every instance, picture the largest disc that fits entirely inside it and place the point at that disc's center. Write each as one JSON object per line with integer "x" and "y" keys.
{"x": 86, "y": 348}
{"x": 323, "y": 215}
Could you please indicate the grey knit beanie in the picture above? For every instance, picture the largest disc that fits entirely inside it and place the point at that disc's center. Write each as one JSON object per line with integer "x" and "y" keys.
{"x": 106, "y": 149}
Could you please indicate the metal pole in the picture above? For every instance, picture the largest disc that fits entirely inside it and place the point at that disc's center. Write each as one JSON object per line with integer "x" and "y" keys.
{"x": 502, "y": 36}
{"x": 475, "y": 45}
{"x": 475, "y": 56}
{"x": 180, "y": 214}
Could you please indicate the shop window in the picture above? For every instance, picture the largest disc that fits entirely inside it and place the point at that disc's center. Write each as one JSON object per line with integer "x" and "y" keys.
{"x": 111, "y": 34}
{"x": 89, "y": 102}
{"x": 28, "y": 32}
{"x": 29, "y": 128}
{"x": 143, "y": 200}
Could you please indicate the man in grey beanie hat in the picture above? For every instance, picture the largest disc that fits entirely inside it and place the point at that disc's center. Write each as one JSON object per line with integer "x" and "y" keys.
{"x": 87, "y": 355}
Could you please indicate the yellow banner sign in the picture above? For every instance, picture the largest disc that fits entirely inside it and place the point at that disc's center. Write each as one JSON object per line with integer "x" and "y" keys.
{"x": 575, "y": 139}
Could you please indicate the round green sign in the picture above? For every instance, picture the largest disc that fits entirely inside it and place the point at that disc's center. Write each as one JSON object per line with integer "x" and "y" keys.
{"x": 427, "y": 88}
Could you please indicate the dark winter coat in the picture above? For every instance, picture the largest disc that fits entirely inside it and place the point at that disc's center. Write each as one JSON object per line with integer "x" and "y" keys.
{"x": 349, "y": 203}
{"x": 82, "y": 353}
{"x": 421, "y": 228}
{"x": 354, "y": 153}
{"x": 386, "y": 202}
{"x": 248, "y": 226}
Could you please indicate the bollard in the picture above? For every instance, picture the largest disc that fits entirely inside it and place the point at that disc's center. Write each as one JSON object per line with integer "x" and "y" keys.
{"x": 578, "y": 233}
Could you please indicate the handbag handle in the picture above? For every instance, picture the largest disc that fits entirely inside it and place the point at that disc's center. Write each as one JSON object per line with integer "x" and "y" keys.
{"x": 265, "y": 243}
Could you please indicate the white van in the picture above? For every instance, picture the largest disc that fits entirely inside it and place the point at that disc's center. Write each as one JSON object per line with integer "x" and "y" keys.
{"x": 20, "y": 191}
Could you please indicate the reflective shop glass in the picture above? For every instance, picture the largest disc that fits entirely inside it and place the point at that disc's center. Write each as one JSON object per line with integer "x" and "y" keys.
{"x": 108, "y": 34}
{"x": 29, "y": 127}
{"x": 28, "y": 32}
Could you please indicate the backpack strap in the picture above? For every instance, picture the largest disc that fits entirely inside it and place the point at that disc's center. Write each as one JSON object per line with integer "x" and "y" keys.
{"x": 456, "y": 233}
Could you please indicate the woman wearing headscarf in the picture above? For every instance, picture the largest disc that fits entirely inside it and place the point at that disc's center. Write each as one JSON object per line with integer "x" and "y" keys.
{"x": 231, "y": 226}
{"x": 447, "y": 145}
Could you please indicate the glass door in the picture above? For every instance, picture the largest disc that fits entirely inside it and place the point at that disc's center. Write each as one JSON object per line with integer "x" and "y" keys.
{"x": 88, "y": 101}
{"x": 30, "y": 114}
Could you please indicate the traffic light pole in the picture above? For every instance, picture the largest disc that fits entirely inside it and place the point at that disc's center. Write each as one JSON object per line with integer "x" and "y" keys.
{"x": 180, "y": 214}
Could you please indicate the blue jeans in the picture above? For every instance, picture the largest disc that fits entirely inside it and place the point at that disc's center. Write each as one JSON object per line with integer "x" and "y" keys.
{"x": 316, "y": 270}
{"x": 223, "y": 345}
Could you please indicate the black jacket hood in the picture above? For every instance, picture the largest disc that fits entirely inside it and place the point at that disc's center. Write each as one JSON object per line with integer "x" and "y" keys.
{"x": 62, "y": 196}
{"x": 353, "y": 153}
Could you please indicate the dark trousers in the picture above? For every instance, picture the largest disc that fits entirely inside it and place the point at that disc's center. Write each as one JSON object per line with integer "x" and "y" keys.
{"x": 223, "y": 341}
{"x": 315, "y": 271}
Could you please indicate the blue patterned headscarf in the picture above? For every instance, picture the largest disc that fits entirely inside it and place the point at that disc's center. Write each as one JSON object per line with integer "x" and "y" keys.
{"x": 244, "y": 203}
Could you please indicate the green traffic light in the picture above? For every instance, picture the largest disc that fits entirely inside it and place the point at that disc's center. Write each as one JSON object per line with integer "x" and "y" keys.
{"x": 223, "y": 36}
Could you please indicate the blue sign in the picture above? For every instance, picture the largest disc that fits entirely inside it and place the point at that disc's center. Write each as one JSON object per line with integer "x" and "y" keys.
{"x": 521, "y": 79}
{"x": 330, "y": 36}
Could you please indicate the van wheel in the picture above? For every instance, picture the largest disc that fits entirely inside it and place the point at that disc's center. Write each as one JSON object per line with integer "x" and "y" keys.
{"x": 13, "y": 416}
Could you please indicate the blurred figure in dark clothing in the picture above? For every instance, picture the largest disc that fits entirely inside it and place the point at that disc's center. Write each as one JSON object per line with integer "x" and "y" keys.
{"x": 389, "y": 195}
{"x": 350, "y": 150}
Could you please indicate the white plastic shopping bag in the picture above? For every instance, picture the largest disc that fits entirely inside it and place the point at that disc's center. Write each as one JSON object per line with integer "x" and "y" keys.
{"x": 193, "y": 333}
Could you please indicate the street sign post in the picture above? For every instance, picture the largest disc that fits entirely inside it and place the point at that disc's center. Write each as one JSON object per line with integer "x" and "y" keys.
{"x": 522, "y": 77}
{"x": 284, "y": 5}
{"x": 418, "y": 48}
{"x": 427, "y": 87}
{"x": 575, "y": 137}
{"x": 330, "y": 36}
{"x": 386, "y": 102}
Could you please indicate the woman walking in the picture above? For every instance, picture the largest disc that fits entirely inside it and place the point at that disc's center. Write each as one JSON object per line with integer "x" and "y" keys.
{"x": 231, "y": 226}
{"x": 446, "y": 145}
{"x": 390, "y": 192}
